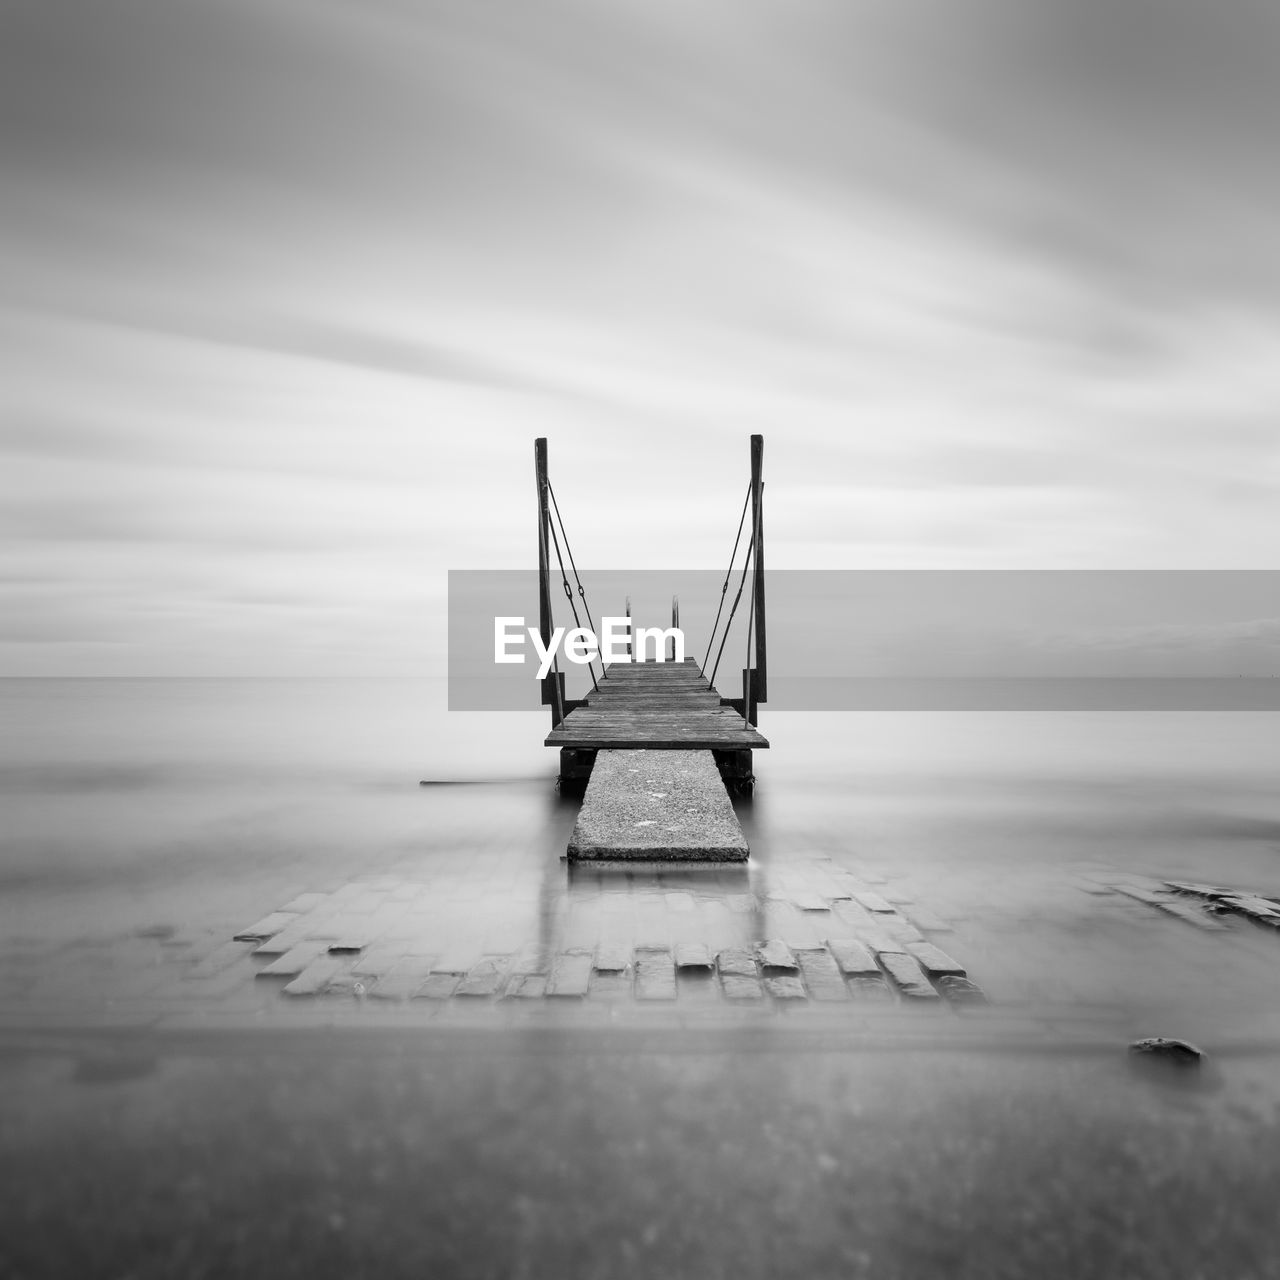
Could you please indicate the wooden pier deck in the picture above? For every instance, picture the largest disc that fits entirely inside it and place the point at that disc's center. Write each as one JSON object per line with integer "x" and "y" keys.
{"x": 658, "y": 706}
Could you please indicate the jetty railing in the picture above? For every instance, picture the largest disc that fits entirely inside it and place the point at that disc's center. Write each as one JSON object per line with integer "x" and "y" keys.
{"x": 551, "y": 533}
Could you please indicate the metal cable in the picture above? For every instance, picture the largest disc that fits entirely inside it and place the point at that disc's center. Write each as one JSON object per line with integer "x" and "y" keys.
{"x": 586, "y": 608}
{"x": 568, "y": 591}
{"x": 543, "y": 558}
{"x": 728, "y": 574}
{"x": 733, "y": 609}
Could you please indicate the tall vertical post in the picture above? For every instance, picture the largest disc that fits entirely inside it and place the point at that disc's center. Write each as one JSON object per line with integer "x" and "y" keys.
{"x": 758, "y": 686}
{"x": 551, "y": 690}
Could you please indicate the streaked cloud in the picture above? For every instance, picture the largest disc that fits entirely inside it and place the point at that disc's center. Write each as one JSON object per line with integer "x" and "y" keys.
{"x": 290, "y": 289}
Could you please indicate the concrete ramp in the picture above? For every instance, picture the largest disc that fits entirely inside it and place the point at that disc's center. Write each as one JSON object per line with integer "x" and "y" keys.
{"x": 668, "y": 806}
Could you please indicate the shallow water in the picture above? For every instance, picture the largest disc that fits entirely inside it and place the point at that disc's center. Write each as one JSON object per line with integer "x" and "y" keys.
{"x": 159, "y": 1125}
{"x": 199, "y": 805}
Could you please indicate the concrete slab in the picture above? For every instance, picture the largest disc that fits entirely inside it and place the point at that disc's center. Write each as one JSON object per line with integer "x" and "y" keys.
{"x": 668, "y": 806}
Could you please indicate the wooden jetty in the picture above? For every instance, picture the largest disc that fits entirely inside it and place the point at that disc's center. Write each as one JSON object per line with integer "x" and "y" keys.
{"x": 660, "y": 706}
{"x": 656, "y": 706}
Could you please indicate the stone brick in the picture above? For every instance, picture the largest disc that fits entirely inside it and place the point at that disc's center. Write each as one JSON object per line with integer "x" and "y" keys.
{"x": 822, "y": 976}
{"x": 907, "y": 975}
{"x": 1192, "y": 913}
{"x": 218, "y": 960}
{"x": 655, "y": 975}
{"x": 961, "y": 991}
{"x": 315, "y": 977}
{"x": 926, "y": 920}
{"x": 785, "y": 986}
{"x": 484, "y": 979}
{"x": 438, "y": 986}
{"x": 570, "y": 974}
{"x": 305, "y": 902}
{"x": 693, "y": 955}
{"x": 872, "y": 901}
{"x": 775, "y": 954}
{"x": 265, "y": 928}
{"x": 528, "y": 986}
{"x": 853, "y": 957}
{"x": 870, "y": 989}
{"x": 736, "y": 986}
{"x": 612, "y": 957}
{"x": 934, "y": 961}
{"x": 294, "y": 961}
{"x": 736, "y": 962}
{"x": 403, "y": 980}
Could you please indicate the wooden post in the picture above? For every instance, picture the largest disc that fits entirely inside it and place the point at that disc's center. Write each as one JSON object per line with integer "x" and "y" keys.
{"x": 675, "y": 622}
{"x": 628, "y": 626}
{"x": 756, "y": 687}
{"x": 552, "y": 685}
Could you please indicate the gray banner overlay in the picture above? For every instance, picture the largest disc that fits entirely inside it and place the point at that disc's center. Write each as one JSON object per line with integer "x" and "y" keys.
{"x": 842, "y": 640}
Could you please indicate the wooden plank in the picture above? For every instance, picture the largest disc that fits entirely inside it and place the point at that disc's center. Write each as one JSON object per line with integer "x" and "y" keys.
{"x": 662, "y": 706}
{"x": 761, "y": 678}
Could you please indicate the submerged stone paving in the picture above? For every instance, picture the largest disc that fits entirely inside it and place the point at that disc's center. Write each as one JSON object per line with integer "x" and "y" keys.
{"x": 468, "y": 936}
{"x": 373, "y": 939}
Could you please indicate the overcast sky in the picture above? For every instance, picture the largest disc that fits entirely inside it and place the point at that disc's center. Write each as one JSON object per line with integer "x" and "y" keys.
{"x": 290, "y": 287}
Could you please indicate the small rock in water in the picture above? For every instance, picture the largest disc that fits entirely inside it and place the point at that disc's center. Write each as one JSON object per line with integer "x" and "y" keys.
{"x": 1178, "y": 1052}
